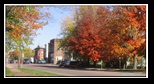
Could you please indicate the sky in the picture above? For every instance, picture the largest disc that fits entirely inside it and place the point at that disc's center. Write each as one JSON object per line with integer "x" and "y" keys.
{"x": 52, "y": 29}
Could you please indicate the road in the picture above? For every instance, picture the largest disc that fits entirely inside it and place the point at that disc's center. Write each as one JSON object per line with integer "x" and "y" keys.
{"x": 81, "y": 72}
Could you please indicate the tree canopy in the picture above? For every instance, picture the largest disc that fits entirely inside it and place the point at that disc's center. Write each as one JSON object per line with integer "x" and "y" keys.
{"x": 101, "y": 33}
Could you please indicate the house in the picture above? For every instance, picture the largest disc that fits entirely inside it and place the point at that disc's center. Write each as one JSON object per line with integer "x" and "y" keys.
{"x": 39, "y": 54}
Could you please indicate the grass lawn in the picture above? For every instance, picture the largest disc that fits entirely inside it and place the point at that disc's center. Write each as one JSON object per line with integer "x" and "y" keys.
{"x": 8, "y": 72}
{"x": 39, "y": 73}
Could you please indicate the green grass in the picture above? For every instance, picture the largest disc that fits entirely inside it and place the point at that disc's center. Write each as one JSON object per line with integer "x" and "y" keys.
{"x": 8, "y": 72}
{"x": 38, "y": 73}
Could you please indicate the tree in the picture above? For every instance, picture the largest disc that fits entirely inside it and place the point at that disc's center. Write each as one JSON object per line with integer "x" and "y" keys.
{"x": 103, "y": 34}
{"x": 28, "y": 53}
{"x": 130, "y": 32}
{"x": 87, "y": 40}
{"x": 21, "y": 24}
{"x": 68, "y": 29}
{"x": 14, "y": 55}
{"x": 137, "y": 19}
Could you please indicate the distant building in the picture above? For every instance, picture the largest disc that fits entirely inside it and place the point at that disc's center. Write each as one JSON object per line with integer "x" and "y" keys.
{"x": 56, "y": 54}
{"x": 51, "y": 53}
{"x": 39, "y": 54}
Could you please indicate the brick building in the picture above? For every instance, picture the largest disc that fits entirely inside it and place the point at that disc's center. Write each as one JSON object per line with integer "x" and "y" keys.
{"x": 39, "y": 54}
{"x": 55, "y": 53}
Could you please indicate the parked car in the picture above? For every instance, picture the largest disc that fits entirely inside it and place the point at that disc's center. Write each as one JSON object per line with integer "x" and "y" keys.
{"x": 11, "y": 61}
{"x": 74, "y": 64}
{"x": 67, "y": 64}
{"x": 41, "y": 61}
{"x": 64, "y": 63}
{"x": 26, "y": 61}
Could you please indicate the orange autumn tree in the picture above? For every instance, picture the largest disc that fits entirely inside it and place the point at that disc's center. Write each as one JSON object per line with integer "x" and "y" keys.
{"x": 20, "y": 19}
{"x": 128, "y": 27}
{"x": 87, "y": 40}
{"x": 21, "y": 25}
{"x": 117, "y": 29}
{"x": 108, "y": 35}
{"x": 14, "y": 55}
{"x": 111, "y": 34}
{"x": 137, "y": 20}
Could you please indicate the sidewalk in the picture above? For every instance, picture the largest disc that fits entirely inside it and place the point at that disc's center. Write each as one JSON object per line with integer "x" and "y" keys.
{"x": 111, "y": 69}
{"x": 17, "y": 72}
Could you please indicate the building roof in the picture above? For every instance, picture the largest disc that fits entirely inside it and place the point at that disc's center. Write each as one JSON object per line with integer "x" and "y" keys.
{"x": 39, "y": 47}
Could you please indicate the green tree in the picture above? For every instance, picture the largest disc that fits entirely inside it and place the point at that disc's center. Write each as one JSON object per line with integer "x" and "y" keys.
{"x": 28, "y": 53}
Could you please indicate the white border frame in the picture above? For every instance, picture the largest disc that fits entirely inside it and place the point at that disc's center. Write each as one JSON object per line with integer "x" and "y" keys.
{"x": 84, "y": 5}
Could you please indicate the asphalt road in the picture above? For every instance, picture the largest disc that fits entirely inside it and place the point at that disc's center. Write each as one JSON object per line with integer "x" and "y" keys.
{"x": 81, "y": 72}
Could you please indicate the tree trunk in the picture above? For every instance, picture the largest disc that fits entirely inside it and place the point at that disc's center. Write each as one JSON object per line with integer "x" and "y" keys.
{"x": 124, "y": 63}
{"x": 94, "y": 63}
{"x": 101, "y": 63}
{"x": 19, "y": 61}
{"x": 22, "y": 58}
{"x": 6, "y": 59}
{"x": 72, "y": 55}
{"x": 88, "y": 62}
{"x": 135, "y": 62}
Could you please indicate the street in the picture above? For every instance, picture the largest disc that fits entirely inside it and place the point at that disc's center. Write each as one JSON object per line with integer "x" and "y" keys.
{"x": 80, "y": 72}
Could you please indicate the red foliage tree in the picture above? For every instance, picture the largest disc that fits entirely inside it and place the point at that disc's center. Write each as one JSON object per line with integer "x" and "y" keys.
{"x": 88, "y": 40}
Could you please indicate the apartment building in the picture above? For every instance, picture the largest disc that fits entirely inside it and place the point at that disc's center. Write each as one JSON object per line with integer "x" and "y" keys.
{"x": 56, "y": 54}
